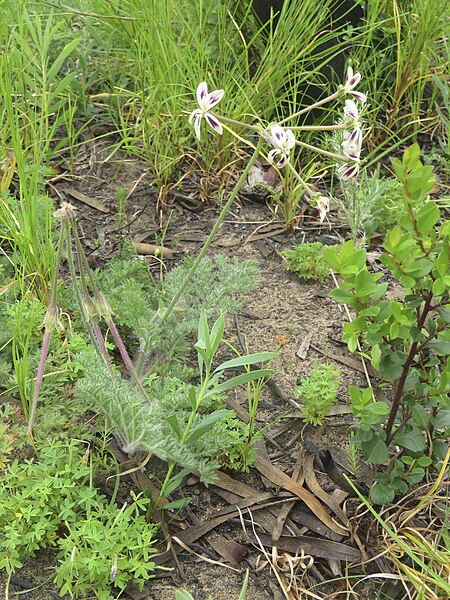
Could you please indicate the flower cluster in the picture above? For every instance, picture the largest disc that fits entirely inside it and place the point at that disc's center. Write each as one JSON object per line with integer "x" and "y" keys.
{"x": 351, "y": 147}
{"x": 283, "y": 140}
{"x": 352, "y": 142}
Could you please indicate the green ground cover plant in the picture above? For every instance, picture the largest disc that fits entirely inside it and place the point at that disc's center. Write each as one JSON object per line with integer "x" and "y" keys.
{"x": 307, "y": 261}
{"x": 50, "y": 502}
{"x": 318, "y": 392}
{"x": 21, "y": 318}
{"x": 160, "y": 412}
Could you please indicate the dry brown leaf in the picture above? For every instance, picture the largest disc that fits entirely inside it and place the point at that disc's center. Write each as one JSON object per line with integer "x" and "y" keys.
{"x": 279, "y": 478}
{"x": 92, "y": 202}
{"x": 314, "y": 546}
{"x": 304, "y": 346}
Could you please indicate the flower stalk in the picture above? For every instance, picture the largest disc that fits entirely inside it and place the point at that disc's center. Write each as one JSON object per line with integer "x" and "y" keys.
{"x": 163, "y": 316}
{"x": 50, "y": 322}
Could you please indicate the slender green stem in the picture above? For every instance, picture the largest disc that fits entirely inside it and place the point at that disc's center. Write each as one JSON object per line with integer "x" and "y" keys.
{"x": 303, "y": 183}
{"x": 312, "y": 106}
{"x": 340, "y": 157}
{"x": 319, "y": 127}
{"x": 100, "y": 306}
{"x": 76, "y": 288}
{"x": 187, "y": 429}
{"x": 51, "y": 320}
{"x": 229, "y": 121}
{"x": 210, "y": 238}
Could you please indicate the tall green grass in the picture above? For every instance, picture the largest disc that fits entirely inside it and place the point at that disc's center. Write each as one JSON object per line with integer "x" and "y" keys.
{"x": 404, "y": 45}
{"x": 33, "y": 93}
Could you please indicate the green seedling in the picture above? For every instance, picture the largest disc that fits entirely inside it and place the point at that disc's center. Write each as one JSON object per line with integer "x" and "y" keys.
{"x": 318, "y": 392}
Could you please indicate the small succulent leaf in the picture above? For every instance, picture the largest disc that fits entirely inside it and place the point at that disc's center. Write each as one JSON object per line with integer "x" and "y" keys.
{"x": 343, "y": 296}
{"x": 411, "y": 157}
{"x": 413, "y": 441}
{"x": 426, "y": 217}
{"x": 398, "y": 169}
{"x": 391, "y": 364}
{"x": 332, "y": 258}
{"x": 440, "y": 346}
{"x": 375, "y": 452}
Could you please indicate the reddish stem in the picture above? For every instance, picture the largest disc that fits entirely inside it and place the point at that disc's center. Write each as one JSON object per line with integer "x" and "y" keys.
{"x": 415, "y": 348}
{"x": 40, "y": 376}
{"x": 126, "y": 358}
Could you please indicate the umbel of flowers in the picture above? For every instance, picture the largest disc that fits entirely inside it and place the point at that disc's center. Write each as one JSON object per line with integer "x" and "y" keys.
{"x": 283, "y": 141}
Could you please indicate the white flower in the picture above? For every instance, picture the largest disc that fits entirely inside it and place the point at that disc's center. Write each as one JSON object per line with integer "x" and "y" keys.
{"x": 206, "y": 102}
{"x": 323, "y": 206}
{"x": 351, "y": 111}
{"x": 283, "y": 142}
{"x": 351, "y": 146}
{"x": 349, "y": 171}
{"x": 351, "y": 82}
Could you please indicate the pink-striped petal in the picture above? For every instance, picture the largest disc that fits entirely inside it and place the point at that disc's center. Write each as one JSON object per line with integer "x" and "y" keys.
{"x": 351, "y": 110}
{"x": 290, "y": 141}
{"x": 194, "y": 114}
{"x": 353, "y": 137}
{"x": 352, "y": 79}
{"x": 214, "y": 123}
{"x": 197, "y": 123}
{"x": 202, "y": 95}
{"x": 277, "y": 157}
{"x": 359, "y": 96}
{"x": 214, "y": 98}
{"x": 349, "y": 171}
{"x": 284, "y": 158}
{"x": 352, "y": 153}
{"x": 278, "y": 135}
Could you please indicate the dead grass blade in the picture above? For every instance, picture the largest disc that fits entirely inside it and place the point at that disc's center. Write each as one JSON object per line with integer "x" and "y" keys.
{"x": 204, "y": 558}
{"x": 281, "y": 479}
